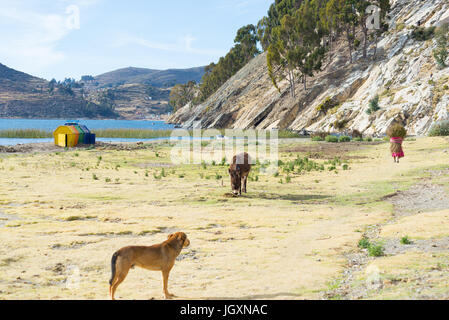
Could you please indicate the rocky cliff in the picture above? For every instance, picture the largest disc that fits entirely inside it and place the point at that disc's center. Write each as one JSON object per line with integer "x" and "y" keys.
{"x": 404, "y": 75}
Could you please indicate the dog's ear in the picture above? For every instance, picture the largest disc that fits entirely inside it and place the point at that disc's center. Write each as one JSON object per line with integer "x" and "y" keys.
{"x": 170, "y": 235}
{"x": 182, "y": 237}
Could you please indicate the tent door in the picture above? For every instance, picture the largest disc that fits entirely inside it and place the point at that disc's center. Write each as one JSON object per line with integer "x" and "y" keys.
{"x": 62, "y": 140}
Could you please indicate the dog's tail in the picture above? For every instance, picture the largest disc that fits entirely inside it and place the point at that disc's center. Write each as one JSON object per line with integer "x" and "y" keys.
{"x": 113, "y": 261}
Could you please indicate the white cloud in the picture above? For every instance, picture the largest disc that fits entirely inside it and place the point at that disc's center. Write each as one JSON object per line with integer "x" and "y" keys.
{"x": 29, "y": 37}
{"x": 184, "y": 45}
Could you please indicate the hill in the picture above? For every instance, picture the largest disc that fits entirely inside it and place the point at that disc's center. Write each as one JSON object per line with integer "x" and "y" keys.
{"x": 134, "y": 101}
{"x": 131, "y": 93}
{"x": 25, "y": 96}
{"x": 411, "y": 88}
{"x": 154, "y": 78}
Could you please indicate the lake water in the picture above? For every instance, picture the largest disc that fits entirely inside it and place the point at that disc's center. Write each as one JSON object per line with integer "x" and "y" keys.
{"x": 51, "y": 124}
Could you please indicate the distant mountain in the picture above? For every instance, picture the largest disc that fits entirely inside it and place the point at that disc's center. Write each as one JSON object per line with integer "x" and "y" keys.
{"x": 138, "y": 93}
{"x": 25, "y": 96}
{"x": 14, "y": 80}
{"x": 155, "y": 78}
{"x": 130, "y": 93}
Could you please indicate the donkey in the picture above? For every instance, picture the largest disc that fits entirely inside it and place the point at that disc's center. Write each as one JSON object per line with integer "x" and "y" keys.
{"x": 239, "y": 171}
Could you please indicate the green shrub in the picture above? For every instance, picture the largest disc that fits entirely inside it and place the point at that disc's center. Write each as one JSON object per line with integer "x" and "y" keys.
{"x": 330, "y": 138}
{"x": 439, "y": 129}
{"x": 423, "y": 34}
{"x": 376, "y": 250}
{"x": 373, "y": 105}
{"x": 368, "y": 139}
{"x": 344, "y": 139}
{"x": 317, "y": 138}
{"x": 357, "y": 139}
{"x": 326, "y": 105}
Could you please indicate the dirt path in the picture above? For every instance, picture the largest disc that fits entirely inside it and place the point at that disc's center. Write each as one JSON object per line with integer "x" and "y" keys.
{"x": 423, "y": 197}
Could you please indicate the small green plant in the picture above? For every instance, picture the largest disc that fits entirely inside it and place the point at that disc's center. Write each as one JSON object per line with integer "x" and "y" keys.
{"x": 332, "y": 139}
{"x": 368, "y": 139}
{"x": 94, "y": 176}
{"x": 288, "y": 179}
{"x": 376, "y": 250}
{"x": 405, "y": 240}
{"x": 223, "y": 162}
{"x": 326, "y": 105}
{"x": 107, "y": 180}
{"x": 218, "y": 177}
{"x": 345, "y": 167}
{"x": 357, "y": 139}
{"x": 364, "y": 243}
{"x": 156, "y": 176}
{"x": 373, "y": 105}
{"x": 317, "y": 138}
{"x": 181, "y": 176}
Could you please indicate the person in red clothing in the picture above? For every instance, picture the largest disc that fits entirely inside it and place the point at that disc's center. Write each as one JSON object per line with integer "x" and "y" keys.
{"x": 396, "y": 133}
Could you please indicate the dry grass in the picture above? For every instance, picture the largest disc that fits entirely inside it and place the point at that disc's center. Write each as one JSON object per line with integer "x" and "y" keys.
{"x": 279, "y": 241}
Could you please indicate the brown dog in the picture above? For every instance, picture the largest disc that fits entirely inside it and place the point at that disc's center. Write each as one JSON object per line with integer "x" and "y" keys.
{"x": 239, "y": 171}
{"x": 159, "y": 257}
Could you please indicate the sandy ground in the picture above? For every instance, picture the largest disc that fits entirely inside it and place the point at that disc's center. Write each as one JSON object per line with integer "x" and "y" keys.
{"x": 64, "y": 213}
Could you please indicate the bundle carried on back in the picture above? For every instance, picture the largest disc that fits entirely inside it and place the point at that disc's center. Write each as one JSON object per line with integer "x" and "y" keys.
{"x": 397, "y": 133}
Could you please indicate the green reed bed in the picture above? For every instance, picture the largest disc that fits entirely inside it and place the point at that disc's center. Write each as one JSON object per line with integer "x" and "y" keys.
{"x": 141, "y": 133}
{"x": 25, "y": 134}
{"x": 132, "y": 133}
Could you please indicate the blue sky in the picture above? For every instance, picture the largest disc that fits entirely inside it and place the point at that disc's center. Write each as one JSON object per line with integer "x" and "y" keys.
{"x": 45, "y": 37}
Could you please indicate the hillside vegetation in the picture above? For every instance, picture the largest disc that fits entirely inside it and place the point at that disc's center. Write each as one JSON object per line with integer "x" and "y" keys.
{"x": 322, "y": 68}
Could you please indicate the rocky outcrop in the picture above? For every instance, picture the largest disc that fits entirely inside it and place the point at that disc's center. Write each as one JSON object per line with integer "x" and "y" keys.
{"x": 404, "y": 75}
